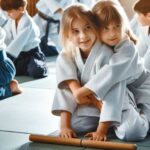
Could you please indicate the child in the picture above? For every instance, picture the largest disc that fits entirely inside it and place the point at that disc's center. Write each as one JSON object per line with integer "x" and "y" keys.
{"x": 8, "y": 85}
{"x": 47, "y": 19}
{"x": 89, "y": 57}
{"x": 123, "y": 65}
{"x": 142, "y": 7}
{"x": 24, "y": 48}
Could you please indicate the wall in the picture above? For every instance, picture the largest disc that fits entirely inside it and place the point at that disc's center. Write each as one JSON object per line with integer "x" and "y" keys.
{"x": 127, "y": 4}
{"x": 31, "y": 7}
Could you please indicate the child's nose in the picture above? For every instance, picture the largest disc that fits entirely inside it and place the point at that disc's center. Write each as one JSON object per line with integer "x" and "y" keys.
{"x": 82, "y": 34}
{"x": 112, "y": 33}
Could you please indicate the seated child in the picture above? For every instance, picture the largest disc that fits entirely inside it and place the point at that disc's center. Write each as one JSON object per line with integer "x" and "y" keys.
{"x": 89, "y": 59}
{"x": 8, "y": 85}
{"x": 23, "y": 48}
{"x": 142, "y": 8}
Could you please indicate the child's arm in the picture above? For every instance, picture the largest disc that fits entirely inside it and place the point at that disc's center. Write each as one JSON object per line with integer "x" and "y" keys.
{"x": 65, "y": 125}
{"x": 74, "y": 86}
{"x": 83, "y": 95}
{"x": 82, "y": 92}
{"x": 101, "y": 133}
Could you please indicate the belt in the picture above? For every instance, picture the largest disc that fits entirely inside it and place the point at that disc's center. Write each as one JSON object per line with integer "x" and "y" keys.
{"x": 49, "y": 20}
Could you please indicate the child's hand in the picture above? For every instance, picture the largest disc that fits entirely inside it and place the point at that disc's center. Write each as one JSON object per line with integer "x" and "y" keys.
{"x": 97, "y": 136}
{"x": 67, "y": 133}
{"x": 97, "y": 103}
{"x": 101, "y": 133}
{"x": 81, "y": 100}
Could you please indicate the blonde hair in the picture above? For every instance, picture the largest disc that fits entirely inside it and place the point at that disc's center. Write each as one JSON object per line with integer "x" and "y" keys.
{"x": 110, "y": 11}
{"x": 76, "y": 11}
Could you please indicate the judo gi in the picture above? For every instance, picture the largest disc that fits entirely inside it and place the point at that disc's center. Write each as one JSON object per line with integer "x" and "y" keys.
{"x": 23, "y": 47}
{"x": 143, "y": 46}
{"x": 47, "y": 20}
{"x": 115, "y": 73}
{"x": 3, "y": 18}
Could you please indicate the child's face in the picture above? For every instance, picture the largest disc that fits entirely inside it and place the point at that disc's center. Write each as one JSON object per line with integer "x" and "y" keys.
{"x": 15, "y": 14}
{"x": 82, "y": 35}
{"x": 112, "y": 34}
{"x": 144, "y": 19}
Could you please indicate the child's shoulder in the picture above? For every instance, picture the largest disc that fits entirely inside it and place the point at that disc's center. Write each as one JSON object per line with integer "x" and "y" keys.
{"x": 125, "y": 46}
{"x": 107, "y": 50}
{"x": 27, "y": 22}
{"x": 26, "y": 19}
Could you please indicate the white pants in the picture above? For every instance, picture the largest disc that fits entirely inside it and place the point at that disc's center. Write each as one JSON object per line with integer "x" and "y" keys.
{"x": 133, "y": 127}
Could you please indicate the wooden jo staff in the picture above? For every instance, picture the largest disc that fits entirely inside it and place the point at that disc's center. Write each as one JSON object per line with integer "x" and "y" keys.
{"x": 82, "y": 142}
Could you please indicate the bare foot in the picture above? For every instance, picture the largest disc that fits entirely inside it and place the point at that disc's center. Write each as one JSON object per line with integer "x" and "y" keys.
{"x": 14, "y": 87}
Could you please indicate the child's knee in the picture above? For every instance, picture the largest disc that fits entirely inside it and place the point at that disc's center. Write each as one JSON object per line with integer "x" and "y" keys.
{"x": 37, "y": 69}
{"x": 135, "y": 134}
{"x": 136, "y": 131}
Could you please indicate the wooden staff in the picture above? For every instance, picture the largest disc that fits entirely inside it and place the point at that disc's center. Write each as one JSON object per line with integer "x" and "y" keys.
{"x": 55, "y": 140}
{"x": 82, "y": 142}
{"x": 108, "y": 145}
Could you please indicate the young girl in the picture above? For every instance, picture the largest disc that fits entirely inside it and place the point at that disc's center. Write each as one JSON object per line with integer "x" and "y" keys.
{"x": 23, "y": 48}
{"x": 123, "y": 65}
{"x": 47, "y": 19}
{"x": 142, "y": 7}
{"x": 8, "y": 85}
{"x": 88, "y": 56}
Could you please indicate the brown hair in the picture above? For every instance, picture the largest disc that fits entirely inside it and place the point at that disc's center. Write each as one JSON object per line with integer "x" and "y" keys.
{"x": 108, "y": 11}
{"x": 142, "y": 6}
{"x": 12, "y": 4}
{"x": 76, "y": 11}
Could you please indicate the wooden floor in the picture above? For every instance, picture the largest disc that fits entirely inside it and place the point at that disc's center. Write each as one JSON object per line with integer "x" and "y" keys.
{"x": 30, "y": 112}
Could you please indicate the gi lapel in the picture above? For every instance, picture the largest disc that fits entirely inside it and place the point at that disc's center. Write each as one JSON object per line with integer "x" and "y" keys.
{"x": 78, "y": 59}
{"x": 14, "y": 29}
{"x": 85, "y": 74}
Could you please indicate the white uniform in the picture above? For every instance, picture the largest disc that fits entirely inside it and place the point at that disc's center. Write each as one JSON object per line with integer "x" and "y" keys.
{"x": 3, "y": 18}
{"x": 135, "y": 25}
{"x": 144, "y": 46}
{"x": 125, "y": 65}
{"x": 119, "y": 69}
{"x": 23, "y": 47}
{"x": 49, "y": 8}
{"x": 23, "y": 38}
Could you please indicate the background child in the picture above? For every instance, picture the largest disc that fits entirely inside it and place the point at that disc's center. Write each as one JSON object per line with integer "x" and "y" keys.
{"x": 8, "y": 85}
{"x": 142, "y": 7}
{"x": 23, "y": 48}
{"x": 47, "y": 19}
{"x": 76, "y": 114}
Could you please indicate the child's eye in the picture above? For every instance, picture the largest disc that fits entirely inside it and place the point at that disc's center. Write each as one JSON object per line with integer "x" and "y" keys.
{"x": 75, "y": 31}
{"x": 118, "y": 25}
{"x": 88, "y": 27}
{"x": 105, "y": 29}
